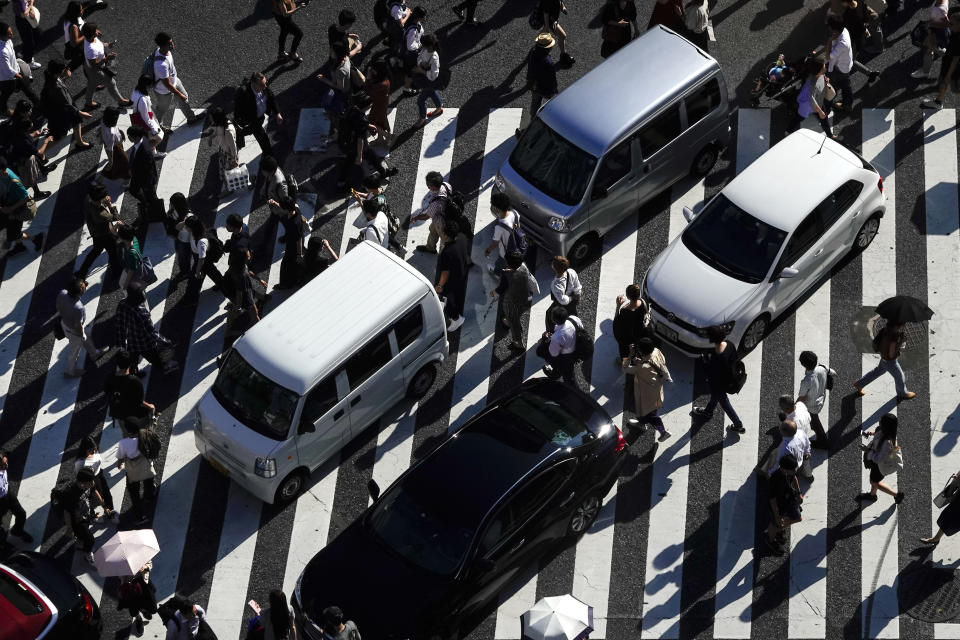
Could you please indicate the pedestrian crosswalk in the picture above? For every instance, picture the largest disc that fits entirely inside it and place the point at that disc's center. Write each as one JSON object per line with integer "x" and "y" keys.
{"x": 677, "y": 549}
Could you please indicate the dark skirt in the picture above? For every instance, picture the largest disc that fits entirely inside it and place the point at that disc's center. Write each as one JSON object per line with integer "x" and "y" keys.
{"x": 119, "y": 169}
{"x": 61, "y": 123}
{"x": 949, "y": 519}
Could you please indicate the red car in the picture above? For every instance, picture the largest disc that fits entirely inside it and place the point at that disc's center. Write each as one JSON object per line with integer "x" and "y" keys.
{"x": 39, "y": 600}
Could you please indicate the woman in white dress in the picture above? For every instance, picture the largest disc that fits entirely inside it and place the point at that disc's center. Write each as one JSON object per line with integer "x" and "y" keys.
{"x": 143, "y": 116}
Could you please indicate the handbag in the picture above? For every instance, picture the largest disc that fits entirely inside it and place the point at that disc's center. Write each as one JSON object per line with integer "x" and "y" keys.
{"x": 237, "y": 178}
{"x": 145, "y": 273}
{"x": 33, "y": 17}
{"x": 829, "y": 93}
{"x": 892, "y": 462}
{"x": 948, "y": 493}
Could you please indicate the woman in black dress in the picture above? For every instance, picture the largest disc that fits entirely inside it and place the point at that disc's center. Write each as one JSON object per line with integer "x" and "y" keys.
{"x": 618, "y": 18}
{"x": 948, "y": 522}
{"x": 295, "y": 226}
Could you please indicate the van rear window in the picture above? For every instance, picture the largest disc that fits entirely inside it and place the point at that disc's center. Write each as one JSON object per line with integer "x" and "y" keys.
{"x": 552, "y": 164}
{"x": 253, "y": 399}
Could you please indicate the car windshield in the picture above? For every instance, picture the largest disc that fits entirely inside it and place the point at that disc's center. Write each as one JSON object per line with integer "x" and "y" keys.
{"x": 552, "y": 164}
{"x": 546, "y": 417}
{"x": 420, "y": 532}
{"x": 732, "y": 241}
{"x": 254, "y": 400}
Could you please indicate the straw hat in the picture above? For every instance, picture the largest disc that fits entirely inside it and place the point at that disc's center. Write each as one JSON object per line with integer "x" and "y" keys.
{"x": 545, "y": 40}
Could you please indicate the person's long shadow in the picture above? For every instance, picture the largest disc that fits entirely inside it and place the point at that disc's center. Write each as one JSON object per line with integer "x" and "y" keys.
{"x": 261, "y": 11}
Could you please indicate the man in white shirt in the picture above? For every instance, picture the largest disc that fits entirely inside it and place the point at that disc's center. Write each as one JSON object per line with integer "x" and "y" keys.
{"x": 561, "y": 346}
{"x": 796, "y": 443}
{"x": 72, "y": 318}
{"x": 185, "y": 623}
{"x": 9, "y": 502}
{"x": 434, "y": 204}
{"x": 168, "y": 86}
{"x": 813, "y": 393}
{"x": 795, "y": 411}
{"x": 10, "y": 78}
{"x": 841, "y": 61}
{"x": 375, "y": 226}
{"x": 506, "y": 221}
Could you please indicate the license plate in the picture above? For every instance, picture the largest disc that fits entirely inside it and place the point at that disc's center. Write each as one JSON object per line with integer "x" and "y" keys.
{"x": 667, "y": 333}
{"x": 219, "y": 467}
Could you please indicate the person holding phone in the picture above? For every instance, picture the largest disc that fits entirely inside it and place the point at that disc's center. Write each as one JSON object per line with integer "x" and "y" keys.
{"x": 283, "y": 11}
{"x": 96, "y": 61}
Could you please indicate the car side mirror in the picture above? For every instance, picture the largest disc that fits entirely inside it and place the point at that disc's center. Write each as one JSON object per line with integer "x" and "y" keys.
{"x": 306, "y": 426}
{"x": 373, "y": 489}
{"x": 688, "y": 214}
{"x": 788, "y": 272}
{"x": 599, "y": 193}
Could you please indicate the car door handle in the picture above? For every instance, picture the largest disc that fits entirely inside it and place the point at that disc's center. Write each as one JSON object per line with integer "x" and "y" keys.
{"x": 819, "y": 251}
{"x": 857, "y": 213}
{"x": 569, "y": 499}
{"x": 517, "y": 546}
{"x": 354, "y": 402}
{"x": 338, "y": 415}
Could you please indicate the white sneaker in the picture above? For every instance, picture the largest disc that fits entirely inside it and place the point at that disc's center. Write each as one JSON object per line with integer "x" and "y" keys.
{"x": 663, "y": 436}
{"x": 35, "y": 65}
{"x": 455, "y": 324}
{"x": 920, "y": 74}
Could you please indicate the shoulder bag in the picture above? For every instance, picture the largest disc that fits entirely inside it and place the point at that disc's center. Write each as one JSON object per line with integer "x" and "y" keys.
{"x": 145, "y": 273}
{"x": 948, "y": 493}
{"x": 892, "y": 462}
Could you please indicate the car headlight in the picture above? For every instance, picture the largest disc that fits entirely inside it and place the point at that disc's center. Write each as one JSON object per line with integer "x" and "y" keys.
{"x": 558, "y": 224}
{"x": 197, "y": 420}
{"x": 728, "y": 326}
{"x": 499, "y": 184}
{"x": 265, "y": 467}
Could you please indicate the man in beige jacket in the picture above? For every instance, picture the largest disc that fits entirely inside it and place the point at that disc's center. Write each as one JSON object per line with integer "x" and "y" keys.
{"x": 649, "y": 370}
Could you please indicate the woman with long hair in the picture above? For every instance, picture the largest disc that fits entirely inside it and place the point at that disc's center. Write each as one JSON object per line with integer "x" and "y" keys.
{"x": 118, "y": 164}
{"x": 58, "y": 107}
{"x": 88, "y": 457}
{"x": 72, "y": 23}
{"x": 881, "y": 448}
{"x": 278, "y": 618}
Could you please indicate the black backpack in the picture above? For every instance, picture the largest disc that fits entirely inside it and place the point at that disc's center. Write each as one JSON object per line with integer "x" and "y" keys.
{"x": 583, "y": 350}
{"x": 215, "y": 248}
{"x": 149, "y": 443}
{"x": 167, "y": 609}
{"x": 146, "y": 69}
{"x": 830, "y": 378}
{"x": 738, "y": 376}
{"x": 517, "y": 240}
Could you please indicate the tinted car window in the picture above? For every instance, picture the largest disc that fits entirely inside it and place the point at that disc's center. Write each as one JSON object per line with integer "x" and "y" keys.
{"x": 552, "y": 164}
{"x": 368, "y": 360}
{"x": 546, "y": 417}
{"x": 615, "y": 166}
{"x": 732, "y": 241}
{"x": 254, "y": 399}
{"x": 658, "y": 133}
{"x": 802, "y": 239}
{"x": 409, "y": 327}
{"x": 703, "y": 101}
{"x": 837, "y": 203}
{"x": 321, "y": 399}
{"x": 16, "y": 594}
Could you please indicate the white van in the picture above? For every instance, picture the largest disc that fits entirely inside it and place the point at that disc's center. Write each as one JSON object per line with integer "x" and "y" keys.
{"x": 319, "y": 369}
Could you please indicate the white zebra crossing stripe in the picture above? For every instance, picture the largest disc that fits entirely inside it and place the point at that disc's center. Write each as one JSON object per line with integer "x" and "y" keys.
{"x": 480, "y": 310}
{"x": 738, "y": 482}
{"x": 879, "y": 535}
{"x": 20, "y": 275}
{"x": 668, "y": 485}
{"x": 181, "y": 464}
{"x": 395, "y": 441}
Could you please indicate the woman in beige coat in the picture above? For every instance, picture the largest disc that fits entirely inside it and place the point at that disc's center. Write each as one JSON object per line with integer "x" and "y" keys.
{"x": 649, "y": 370}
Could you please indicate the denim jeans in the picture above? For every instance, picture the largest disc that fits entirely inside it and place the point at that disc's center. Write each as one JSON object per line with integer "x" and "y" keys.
{"x": 428, "y": 91}
{"x": 653, "y": 419}
{"x": 890, "y": 366}
{"x": 721, "y": 397}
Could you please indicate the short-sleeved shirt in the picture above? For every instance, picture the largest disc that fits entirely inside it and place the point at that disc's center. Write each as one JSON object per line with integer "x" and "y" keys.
{"x": 349, "y": 632}
{"x": 163, "y": 67}
{"x": 397, "y": 10}
{"x": 501, "y": 231}
{"x": 801, "y": 416}
{"x": 70, "y": 309}
{"x": 378, "y": 230}
{"x": 455, "y": 258}
{"x": 10, "y": 68}
{"x": 93, "y": 50}
{"x": 813, "y": 387}
{"x": 783, "y": 489}
{"x": 199, "y": 247}
{"x": 12, "y": 187}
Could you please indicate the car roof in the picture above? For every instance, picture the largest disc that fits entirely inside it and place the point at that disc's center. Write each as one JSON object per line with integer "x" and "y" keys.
{"x": 784, "y": 184}
{"x": 14, "y": 624}
{"x": 323, "y": 323}
{"x": 607, "y": 103}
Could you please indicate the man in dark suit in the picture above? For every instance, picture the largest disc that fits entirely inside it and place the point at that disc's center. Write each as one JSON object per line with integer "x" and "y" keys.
{"x": 144, "y": 176}
{"x": 253, "y": 101}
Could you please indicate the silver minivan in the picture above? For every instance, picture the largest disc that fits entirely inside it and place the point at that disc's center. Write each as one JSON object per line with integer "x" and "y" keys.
{"x": 319, "y": 369}
{"x": 652, "y": 113}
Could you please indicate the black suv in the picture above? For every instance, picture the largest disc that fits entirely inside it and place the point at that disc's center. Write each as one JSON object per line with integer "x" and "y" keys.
{"x": 438, "y": 546}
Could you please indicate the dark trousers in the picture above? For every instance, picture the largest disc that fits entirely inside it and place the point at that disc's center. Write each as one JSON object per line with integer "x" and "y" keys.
{"x": 824, "y": 122}
{"x": 654, "y": 419}
{"x": 14, "y": 230}
{"x": 841, "y": 81}
{"x": 562, "y": 364}
{"x": 101, "y": 244}
{"x": 100, "y": 484}
{"x": 8, "y": 87}
{"x": 257, "y": 131}
{"x": 817, "y": 427}
{"x": 81, "y": 529}
{"x": 469, "y": 7}
{"x": 210, "y": 270}
{"x": 288, "y": 26}
{"x": 152, "y": 356}
{"x": 720, "y": 397}
{"x": 9, "y": 503}
{"x": 28, "y": 38}
{"x": 456, "y": 294}
{"x": 140, "y": 492}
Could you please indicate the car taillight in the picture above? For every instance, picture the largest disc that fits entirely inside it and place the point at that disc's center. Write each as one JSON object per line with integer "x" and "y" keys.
{"x": 880, "y": 184}
{"x": 87, "y": 613}
{"x": 621, "y": 441}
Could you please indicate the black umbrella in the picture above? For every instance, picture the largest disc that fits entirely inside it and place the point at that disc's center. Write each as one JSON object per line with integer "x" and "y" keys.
{"x": 901, "y": 309}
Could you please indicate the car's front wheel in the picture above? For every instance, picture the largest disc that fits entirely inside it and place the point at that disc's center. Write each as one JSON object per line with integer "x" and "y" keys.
{"x": 291, "y": 487}
{"x": 584, "y": 249}
{"x": 754, "y": 334}
{"x": 867, "y": 233}
{"x": 584, "y": 514}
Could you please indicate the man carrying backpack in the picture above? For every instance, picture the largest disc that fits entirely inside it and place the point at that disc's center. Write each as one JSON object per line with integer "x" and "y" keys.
{"x": 168, "y": 86}
{"x": 433, "y": 210}
{"x": 559, "y": 347}
{"x": 185, "y": 620}
{"x": 505, "y": 237}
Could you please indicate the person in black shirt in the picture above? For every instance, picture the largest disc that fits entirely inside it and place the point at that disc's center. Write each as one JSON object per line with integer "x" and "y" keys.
{"x": 74, "y": 501}
{"x": 452, "y": 266}
{"x": 541, "y": 72}
{"x": 314, "y": 262}
{"x": 785, "y": 499}
{"x": 618, "y": 17}
{"x": 719, "y": 364}
{"x": 124, "y": 391}
{"x": 239, "y": 234}
{"x": 340, "y": 32}
{"x": 295, "y": 226}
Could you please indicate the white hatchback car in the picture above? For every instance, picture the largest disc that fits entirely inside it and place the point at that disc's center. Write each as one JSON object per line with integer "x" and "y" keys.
{"x": 754, "y": 249}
